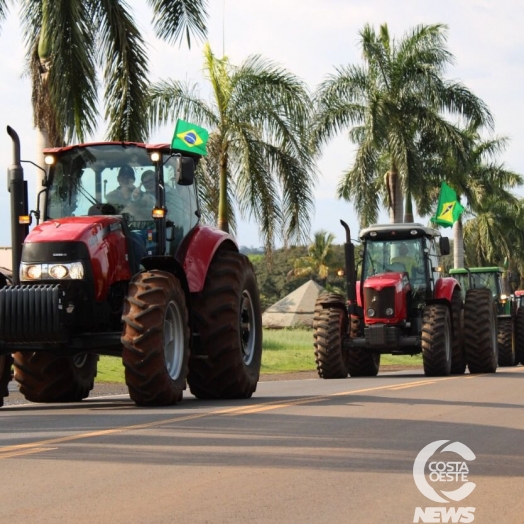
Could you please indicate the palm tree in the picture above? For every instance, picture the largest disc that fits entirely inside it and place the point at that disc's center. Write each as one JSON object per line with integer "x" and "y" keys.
{"x": 483, "y": 182}
{"x": 318, "y": 259}
{"x": 395, "y": 106}
{"x": 496, "y": 233}
{"x": 258, "y": 151}
{"x": 67, "y": 41}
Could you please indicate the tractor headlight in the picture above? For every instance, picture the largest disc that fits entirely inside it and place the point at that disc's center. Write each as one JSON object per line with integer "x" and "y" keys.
{"x": 30, "y": 271}
{"x": 503, "y": 298}
{"x": 65, "y": 271}
{"x": 59, "y": 271}
{"x": 371, "y": 312}
{"x": 389, "y": 311}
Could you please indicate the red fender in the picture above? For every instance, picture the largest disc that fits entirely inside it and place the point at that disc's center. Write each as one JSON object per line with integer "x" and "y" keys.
{"x": 445, "y": 286}
{"x": 202, "y": 246}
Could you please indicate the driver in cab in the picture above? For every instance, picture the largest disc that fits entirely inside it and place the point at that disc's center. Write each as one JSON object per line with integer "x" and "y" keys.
{"x": 405, "y": 259}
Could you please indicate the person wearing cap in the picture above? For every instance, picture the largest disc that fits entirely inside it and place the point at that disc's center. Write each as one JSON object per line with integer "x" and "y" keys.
{"x": 404, "y": 258}
{"x": 148, "y": 196}
{"x": 121, "y": 196}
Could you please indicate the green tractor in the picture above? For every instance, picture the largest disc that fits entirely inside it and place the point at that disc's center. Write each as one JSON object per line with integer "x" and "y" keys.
{"x": 510, "y": 331}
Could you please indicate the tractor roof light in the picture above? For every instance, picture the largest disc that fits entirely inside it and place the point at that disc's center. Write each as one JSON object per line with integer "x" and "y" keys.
{"x": 155, "y": 156}
{"x": 49, "y": 160}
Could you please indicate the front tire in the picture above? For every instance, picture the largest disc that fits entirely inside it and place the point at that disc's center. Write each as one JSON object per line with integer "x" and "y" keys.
{"x": 228, "y": 321}
{"x": 44, "y": 377}
{"x": 436, "y": 340}
{"x": 480, "y": 331}
{"x": 458, "y": 358}
{"x": 155, "y": 339}
{"x": 330, "y": 323}
{"x": 6, "y": 362}
{"x": 506, "y": 343}
{"x": 519, "y": 336}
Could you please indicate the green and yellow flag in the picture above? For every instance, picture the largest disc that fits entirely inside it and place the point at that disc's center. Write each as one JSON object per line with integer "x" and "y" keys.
{"x": 449, "y": 208}
{"x": 189, "y": 137}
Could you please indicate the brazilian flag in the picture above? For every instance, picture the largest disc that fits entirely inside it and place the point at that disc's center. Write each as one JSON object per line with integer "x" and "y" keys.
{"x": 189, "y": 137}
{"x": 449, "y": 208}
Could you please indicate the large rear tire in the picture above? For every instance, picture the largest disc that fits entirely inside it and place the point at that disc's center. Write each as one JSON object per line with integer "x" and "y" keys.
{"x": 330, "y": 324}
{"x": 155, "y": 339}
{"x": 228, "y": 321}
{"x": 436, "y": 340}
{"x": 44, "y": 377}
{"x": 506, "y": 342}
{"x": 480, "y": 331}
{"x": 6, "y": 362}
{"x": 519, "y": 335}
{"x": 458, "y": 358}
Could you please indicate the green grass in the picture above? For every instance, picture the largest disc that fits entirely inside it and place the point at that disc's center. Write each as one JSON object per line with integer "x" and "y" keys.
{"x": 283, "y": 351}
{"x": 292, "y": 350}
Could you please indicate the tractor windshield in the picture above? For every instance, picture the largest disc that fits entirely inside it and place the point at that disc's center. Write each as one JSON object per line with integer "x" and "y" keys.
{"x": 486, "y": 280}
{"x": 120, "y": 179}
{"x": 404, "y": 256}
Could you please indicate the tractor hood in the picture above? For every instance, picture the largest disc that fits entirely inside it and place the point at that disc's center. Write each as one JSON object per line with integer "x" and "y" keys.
{"x": 97, "y": 241}
{"x": 86, "y": 229}
{"x": 380, "y": 281}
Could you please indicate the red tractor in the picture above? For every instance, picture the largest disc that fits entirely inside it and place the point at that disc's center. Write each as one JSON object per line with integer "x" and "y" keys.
{"x": 124, "y": 268}
{"x": 519, "y": 325}
{"x": 401, "y": 306}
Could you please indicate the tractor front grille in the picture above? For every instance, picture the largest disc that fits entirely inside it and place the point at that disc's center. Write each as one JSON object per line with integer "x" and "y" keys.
{"x": 382, "y": 335}
{"x": 31, "y": 313}
{"x": 379, "y": 300}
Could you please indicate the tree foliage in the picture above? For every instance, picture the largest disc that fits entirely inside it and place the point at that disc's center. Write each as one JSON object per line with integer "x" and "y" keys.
{"x": 69, "y": 42}
{"x": 318, "y": 260}
{"x": 273, "y": 281}
{"x": 258, "y": 152}
{"x": 395, "y": 108}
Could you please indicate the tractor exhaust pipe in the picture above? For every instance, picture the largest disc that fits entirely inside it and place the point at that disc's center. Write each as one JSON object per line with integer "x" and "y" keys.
{"x": 351, "y": 277}
{"x": 17, "y": 187}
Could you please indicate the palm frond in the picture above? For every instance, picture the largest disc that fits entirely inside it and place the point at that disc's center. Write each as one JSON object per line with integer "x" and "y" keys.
{"x": 174, "y": 19}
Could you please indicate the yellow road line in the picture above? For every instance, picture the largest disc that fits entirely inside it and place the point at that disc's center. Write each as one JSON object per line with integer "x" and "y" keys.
{"x": 25, "y": 452}
{"x": 19, "y": 449}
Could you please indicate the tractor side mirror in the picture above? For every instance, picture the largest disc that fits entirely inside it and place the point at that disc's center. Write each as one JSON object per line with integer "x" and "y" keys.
{"x": 185, "y": 173}
{"x": 444, "y": 246}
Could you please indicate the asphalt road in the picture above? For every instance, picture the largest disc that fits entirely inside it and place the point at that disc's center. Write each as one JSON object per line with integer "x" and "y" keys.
{"x": 299, "y": 451}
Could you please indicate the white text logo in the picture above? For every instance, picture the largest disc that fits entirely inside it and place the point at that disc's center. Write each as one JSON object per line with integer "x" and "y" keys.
{"x": 444, "y": 471}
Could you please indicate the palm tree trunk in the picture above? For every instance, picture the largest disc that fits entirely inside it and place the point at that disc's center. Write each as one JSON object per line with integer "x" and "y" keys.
{"x": 408, "y": 215}
{"x": 396, "y": 205}
{"x": 223, "y": 211}
{"x": 42, "y": 142}
{"x": 458, "y": 244}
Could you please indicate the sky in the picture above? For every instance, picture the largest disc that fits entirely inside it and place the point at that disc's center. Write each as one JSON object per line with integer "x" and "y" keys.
{"x": 310, "y": 39}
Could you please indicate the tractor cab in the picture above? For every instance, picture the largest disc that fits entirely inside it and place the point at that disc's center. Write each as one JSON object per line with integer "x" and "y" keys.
{"x": 519, "y": 298}
{"x": 156, "y": 199}
{"x": 484, "y": 277}
{"x": 403, "y": 252}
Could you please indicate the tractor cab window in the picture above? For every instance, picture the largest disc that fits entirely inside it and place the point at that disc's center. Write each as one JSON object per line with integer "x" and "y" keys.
{"x": 122, "y": 180}
{"x": 405, "y": 256}
{"x": 490, "y": 281}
